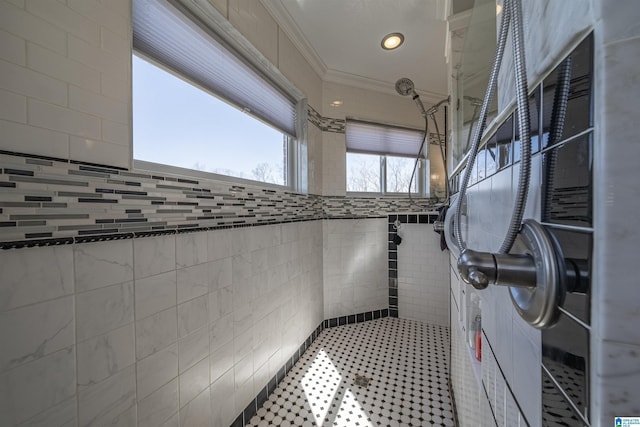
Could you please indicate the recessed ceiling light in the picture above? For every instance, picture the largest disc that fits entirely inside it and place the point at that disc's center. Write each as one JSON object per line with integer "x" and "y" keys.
{"x": 336, "y": 103}
{"x": 392, "y": 41}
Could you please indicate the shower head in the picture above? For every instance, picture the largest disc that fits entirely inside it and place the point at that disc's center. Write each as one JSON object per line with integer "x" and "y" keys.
{"x": 405, "y": 86}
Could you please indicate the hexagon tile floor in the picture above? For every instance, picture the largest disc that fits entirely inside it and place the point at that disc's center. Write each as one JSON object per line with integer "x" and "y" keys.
{"x": 384, "y": 372}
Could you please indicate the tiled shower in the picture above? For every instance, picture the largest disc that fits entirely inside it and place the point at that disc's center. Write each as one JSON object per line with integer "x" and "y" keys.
{"x": 147, "y": 298}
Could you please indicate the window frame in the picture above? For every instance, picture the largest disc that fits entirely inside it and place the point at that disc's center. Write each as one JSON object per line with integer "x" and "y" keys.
{"x": 296, "y": 147}
{"x": 422, "y": 171}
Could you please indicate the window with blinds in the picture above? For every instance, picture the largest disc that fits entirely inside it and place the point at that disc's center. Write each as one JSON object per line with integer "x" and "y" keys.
{"x": 384, "y": 158}
{"x": 198, "y": 104}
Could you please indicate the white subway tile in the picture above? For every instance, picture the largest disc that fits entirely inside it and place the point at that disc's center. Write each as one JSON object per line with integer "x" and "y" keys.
{"x": 66, "y": 19}
{"x": 12, "y": 48}
{"x": 223, "y": 410}
{"x": 30, "y": 27}
{"x": 159, "y": 406}
{"x": 115, "y": 44}
{"x": 34, "y": 275}
{"x": 23, "y": 393}
{"x": 34, "y": 331}
{"x": 105, "y": 355}
{"x": 221, "y": 332}
{"x": 155, "y": 293}
{"x": 109, "y": 14}
{"x": 156, "y": 332}
{"x": 13, "y": 107}
{"x": 98, "y": 59}
{"x": 156, "y": 370}
{"x": 24, "y": 81}
{"x": 98, "y": 105}
{"x": 221, "y": 360}
{"x": 103, "y": 153}
{"x": 104, "y": 402}
{"x": 220, "y": 273}
{"x": 103, "y": 310}
{"x": 60, "y": 67}
{"x": 102, "y": 264}
{"x": 116, "y": 133}
{"x": 62, "y": 119}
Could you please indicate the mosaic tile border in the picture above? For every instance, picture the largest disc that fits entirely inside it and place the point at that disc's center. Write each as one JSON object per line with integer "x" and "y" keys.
{"x": 52, "y": 202}
{"x": 424, "y": 218}
{"x": 325, "y": 124}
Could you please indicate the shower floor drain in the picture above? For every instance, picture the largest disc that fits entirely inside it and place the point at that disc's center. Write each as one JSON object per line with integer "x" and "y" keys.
{"x": 361, "y": 380}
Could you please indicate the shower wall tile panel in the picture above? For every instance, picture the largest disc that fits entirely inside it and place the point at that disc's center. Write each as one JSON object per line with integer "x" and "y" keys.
{"x": 114, "y": 350}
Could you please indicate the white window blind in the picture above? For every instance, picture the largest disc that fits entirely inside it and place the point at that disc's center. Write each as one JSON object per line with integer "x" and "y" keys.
{"x": 374, "y": 138}
{"x": 186, "y": 46}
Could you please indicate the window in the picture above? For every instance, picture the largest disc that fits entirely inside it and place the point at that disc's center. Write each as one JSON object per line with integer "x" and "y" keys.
{"x": 381, "y": 158}
{"x": 200, "y": 104}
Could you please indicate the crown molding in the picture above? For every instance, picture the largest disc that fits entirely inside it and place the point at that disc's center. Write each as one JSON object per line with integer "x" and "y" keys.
{"x": 288, "y": 26}
{"x": 353, "y": 80}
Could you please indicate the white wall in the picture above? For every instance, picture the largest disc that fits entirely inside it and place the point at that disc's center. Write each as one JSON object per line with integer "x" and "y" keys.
{"x": 66, "y": 78}
{"x": 187, "y": 326}
{"x": 423, "y": 275}
{"x": 355, "y": 272}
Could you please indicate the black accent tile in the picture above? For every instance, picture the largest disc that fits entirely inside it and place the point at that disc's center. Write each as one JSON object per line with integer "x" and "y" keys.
{"x": 393, "y": 274}
{"x": 413, "y": 219}
{"x": 333, "y": 322}
{"x": 393, "y": 255}
{"x": 368, "y": 315}
{"x": 392, "y": 218}
{"x": 326, "y": 323}
{"x": 10, "y": 171}
{"x": 250, "y": 411}
{"x": 392, "y": 245}
{"x": 8, "y": 223}
{"x": 342, "y": 320}
{"x": 37, "y": 235}
{"x": 423, "y": 219}
{"x": 281, "y": 373}
{"x": 262, "y": 396}
{"x": 393, "y": 292}
{"x": 376, "y": 314}
{"x": 238, "y": 422}
{"x": 87, "y": 200}
{"x": 32, "y": 223}
{"x": 351, "y": 319}
{"x": 402, "y": 219}
{"x": 385, "y": 312}
{"x": 7, "y": 184}
{"x": 393, "y": 301}
{"x": 393, "y": 264}
{"x": 360, "y": 317}
{"x": 19, "y": 204}
{"x": 393, "y": 312}
{"x": 37, "y": 198}
{"x": 273, "y": 383}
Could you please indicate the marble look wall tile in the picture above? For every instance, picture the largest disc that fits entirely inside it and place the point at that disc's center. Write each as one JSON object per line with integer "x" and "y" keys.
{"x": 619, "y": 21}
{"x": 154, "y": 255}
{"x": 221, "y": 332}
{"x": 174, "y": 421}
{"x": 221, "y": 360}
{"x": 527, "y": 381}
{"x": 156, "y": 332}
{"x": 155, "y": 293}
{"x": 194, "y": 381}
{"x": 220, "y": 273}
{"x": 103, "y": 309}
{"x": 219, "y": 244}
{"x": 156, "y": 370}
{"x": 103, "y": 263}
{"x": 615, "y": 386}
{"x": 191, "y": 249}
{"x": 23, "y": 393}
{"x": 63, "y": 414}
{"x": 193, "y": 348}
{"x": 103, "y": 403}
{"x": 197, "y": 412}
{"x": 103, "y": 356}
{"x": 220, "y": 303}
{"x": 159, "y": 406}
{"x": 616, "y": 232}
{"x": 34, "y": 331}
{"x": 192, "y": 315}
{"x": 223, "y": 410}
{"x": 193, "y": 282}
{"x": 34, "y": 275}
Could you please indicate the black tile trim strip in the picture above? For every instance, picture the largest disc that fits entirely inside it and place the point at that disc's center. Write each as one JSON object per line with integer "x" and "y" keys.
{"x": 392, "y": 257}
{"x": 251, "y": 409}
{"x": 356, "y": 318}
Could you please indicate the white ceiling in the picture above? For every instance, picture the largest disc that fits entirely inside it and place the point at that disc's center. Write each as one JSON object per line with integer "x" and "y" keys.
{"x": 341, "y": 39}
